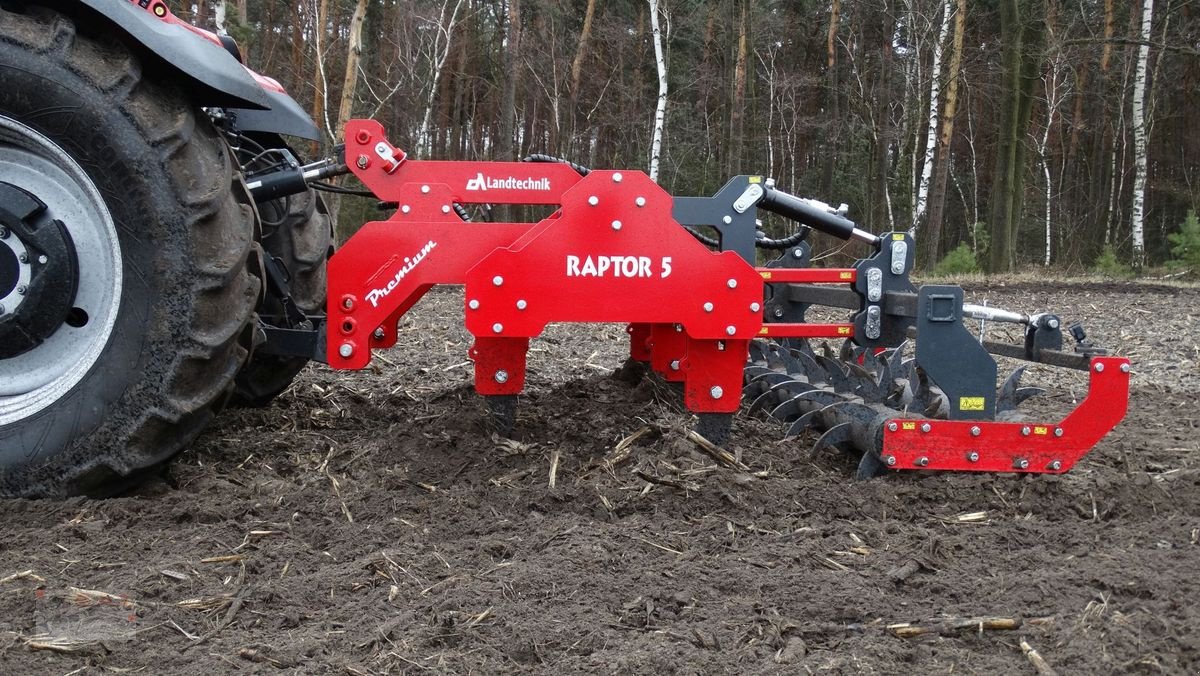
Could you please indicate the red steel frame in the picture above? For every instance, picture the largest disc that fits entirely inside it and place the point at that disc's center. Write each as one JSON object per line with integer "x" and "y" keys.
{"x": 987, "y": 446}
{"x": 613, "y": 253}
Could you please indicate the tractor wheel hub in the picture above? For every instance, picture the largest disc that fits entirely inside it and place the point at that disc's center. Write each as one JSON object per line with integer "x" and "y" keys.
{"x": 38, "y": 272}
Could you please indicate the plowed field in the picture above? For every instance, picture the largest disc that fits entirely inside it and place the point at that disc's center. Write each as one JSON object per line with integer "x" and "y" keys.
{"x": 368, "y": 523}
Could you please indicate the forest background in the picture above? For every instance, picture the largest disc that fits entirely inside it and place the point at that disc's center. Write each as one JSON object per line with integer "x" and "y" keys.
{"x": 1013, "y": 133}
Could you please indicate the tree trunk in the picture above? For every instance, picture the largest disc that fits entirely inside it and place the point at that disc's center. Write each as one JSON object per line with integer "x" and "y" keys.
{"x": 660, "y": 110}
{"x": 585, "y": 34}
{"x": 738, "y": 99}
{"x": 1019, "y": 31}
{"x": 353, "y": 54}
{"x": 833, "y": 121}
{"x": 508, "y": 105}
{"x": 935, "y": 90}
{"x": 941, "y": 167}
{"x": 1136, "y": 220}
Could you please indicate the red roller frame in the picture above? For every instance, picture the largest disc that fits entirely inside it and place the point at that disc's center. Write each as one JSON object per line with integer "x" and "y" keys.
{"x": 987, "y": 446}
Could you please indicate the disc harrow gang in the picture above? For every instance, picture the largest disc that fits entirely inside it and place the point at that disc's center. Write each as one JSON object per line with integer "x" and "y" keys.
{"x": 909, "y": 387}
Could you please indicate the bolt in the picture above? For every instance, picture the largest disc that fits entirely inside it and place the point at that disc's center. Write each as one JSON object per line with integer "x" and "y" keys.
{"x": 473, "y": 304}
{"x": 1124, "y": 368}
{"x": 497, "y": 327}
{"x": 346, "y": 350}
{"x": 1055, "y": 465}
{"x": 778, "y": 312}
{"x": 498, "y": 280}
{"x": 22, "y": 289}
{"x": 679, "y": 328}
{"x": 925, "y": 427}
{"x": 717, "y": 392}
{"x": 975, "y": 431}
{"x": 502, "y": 376}
{"x": 445, "y": 208}
{"x": 708, "y": 307}
{"x": 616, "y": 225}
{"x": 675, "y": 365}
{"x": 922, "y": 461}
{"x": 43, "y": 260}
{"x": 890, "y": 460}
{"x": 641, "y": 201}
{"x": 973, "y": 456}
{"x": 797, "y": 253}
{"x": 348, "y": 303}
{"x": 1099, "y": 368}
{"x": 730, "y": 330}
{"x": 521, "y": 304}
{"x": 378, "y": 334}
{"x": 755, "y": 307}
{"x": 593, "y": 200}
{"x": 892, "y": 427}
{"x": 1053, "y": 323}
{"x": 1021, "y": 463}
{"x": 363, "y": 161}
{"x": 405, "y": 209}
{"x": 24, "y": 257}
{"x": 1058, "y": 431}
{"x": 617, "y": 177}
{"x": 1025, "y": 431}
{"x": 732, "y": 283}
{"x": 727, "y": 220}
{"x": 425, "y": 190}
{"x": 3, "y": 233}
{"x": 362, "y": 136}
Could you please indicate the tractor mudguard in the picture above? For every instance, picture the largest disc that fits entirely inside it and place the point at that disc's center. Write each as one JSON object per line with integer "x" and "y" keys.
{"x": 285, "y": 117}
{"x": 222, "y": 80}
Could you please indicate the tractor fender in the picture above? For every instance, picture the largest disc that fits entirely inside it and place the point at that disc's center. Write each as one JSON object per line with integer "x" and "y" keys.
{"x": 219, "y": 79}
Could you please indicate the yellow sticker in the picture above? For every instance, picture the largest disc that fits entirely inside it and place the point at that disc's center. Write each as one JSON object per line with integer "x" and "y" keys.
{"x": 908, "y": 426}
{"x": 765, "y": 275}
{"x": 970, "y": 404}
{"x": 1041, "y": 430}
{"x": 763, "y": 331}
{"x": 846, "y": 275}
{"x": 843, "y": 330}
{"x": 756, "y": 179}
{"x": 898, "y": 236}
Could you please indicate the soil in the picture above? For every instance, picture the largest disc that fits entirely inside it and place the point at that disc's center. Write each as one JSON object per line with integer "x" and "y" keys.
{"x": 369, "y": 523}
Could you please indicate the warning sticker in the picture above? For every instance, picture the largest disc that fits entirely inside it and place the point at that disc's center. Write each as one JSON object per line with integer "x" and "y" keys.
{"x": 908, "y": 426}
{"x": 1041, "y": 431}
{"x": 970, "y": 404}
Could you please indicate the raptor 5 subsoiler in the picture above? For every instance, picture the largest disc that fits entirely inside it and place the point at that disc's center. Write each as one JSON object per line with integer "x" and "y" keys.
{"x": 701, "y": 313}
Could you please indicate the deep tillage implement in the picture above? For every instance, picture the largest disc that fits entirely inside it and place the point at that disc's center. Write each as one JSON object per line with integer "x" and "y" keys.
{"x": 620, "y": 249}
{"x": 162, "y": 254}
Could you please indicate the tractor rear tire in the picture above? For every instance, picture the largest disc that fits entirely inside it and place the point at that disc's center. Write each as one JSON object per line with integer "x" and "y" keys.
{"x": 296, "y": 230}
{"x": 162, "y": 230}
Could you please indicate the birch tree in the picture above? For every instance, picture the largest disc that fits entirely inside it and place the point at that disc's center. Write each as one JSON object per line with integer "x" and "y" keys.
{"x": 937, "y": 193}
{"x": 660, "y": 110}
{"x": 439, "y": 51}
{"x": 1136, "y": 219}
{"x": 935, "y": 88}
